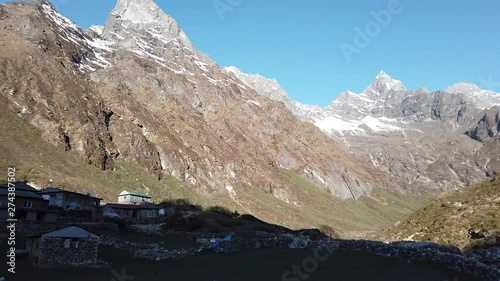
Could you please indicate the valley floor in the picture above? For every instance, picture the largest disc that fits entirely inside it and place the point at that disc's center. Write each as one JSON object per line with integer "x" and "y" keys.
{"x": 248, "y": 265}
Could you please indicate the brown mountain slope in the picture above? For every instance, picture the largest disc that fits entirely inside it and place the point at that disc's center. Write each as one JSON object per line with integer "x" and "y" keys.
{"x": 119, "y": 110}
{"x": 214, "y": 136}
{"x": 39, "y": 161}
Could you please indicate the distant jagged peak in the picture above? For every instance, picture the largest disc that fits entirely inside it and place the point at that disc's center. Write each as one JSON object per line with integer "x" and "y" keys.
{"x": 424, "y": 89}
{"x": 348, "y": 93}
{"x": 463, "y": 88}
{"x": 246, "y": 77}
{"x": 383, "y": 75}
{"x": 267, "y": 87}
{"x": 483, "y": 99}
{"x": 140, "y": 11}
{"x": 383, "y": 84}
{"x": 145, "y": 17}
{"x": 97, "y": 29}
{"x": 233, "y": 69}
{"x": 345, "y": 96}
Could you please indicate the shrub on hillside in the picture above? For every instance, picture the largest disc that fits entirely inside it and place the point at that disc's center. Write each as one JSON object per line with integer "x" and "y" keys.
{"x": 222, "y": 210}
{"x": 329, "y": 231}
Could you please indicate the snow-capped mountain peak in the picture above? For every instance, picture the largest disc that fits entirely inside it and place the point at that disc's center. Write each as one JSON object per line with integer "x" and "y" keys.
{"x": 383, "y": 84}
{"x": 483, "y": 98}
{"x": 143, "y": 28}
{"x": 97, "y": 29}
{"x": 233, "y": 69}
{"x": 463, "y": 88}
{"x": 144, "y": 11}
{"x": 383, "y": 75}
{"x": 424, "y": 89}
{"x": 132, "y": 23}
{"x": 95, "y": 49}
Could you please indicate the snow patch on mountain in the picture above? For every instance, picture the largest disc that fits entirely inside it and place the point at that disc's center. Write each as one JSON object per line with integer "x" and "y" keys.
{"x": 253, "y": 102}
{"x": 381, "y": 124}
{"x": 97, "y": 29}
{"x": 335, "y": 124}
{"x": 72, "y": 33}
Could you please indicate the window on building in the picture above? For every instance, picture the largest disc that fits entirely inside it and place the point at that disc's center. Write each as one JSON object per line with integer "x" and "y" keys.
{"x": 74, "y": 243}
{"x": 150, "y": 214}
{"x": 71, "y": 243}
{"x": 28, "y": 204}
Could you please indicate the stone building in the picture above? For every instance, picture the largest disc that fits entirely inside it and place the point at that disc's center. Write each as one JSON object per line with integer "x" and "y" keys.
{"x": 127, "y": 211}
{"x": 69, "y": 246}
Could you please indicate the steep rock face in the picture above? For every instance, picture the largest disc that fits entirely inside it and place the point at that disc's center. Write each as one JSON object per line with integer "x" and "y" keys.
{"x": 406, "y": 132}
{"x": 143, "y": 28}
{"x": 487, "y": 125}
{"x": 42, "y": 82}
{"x": 485, "y": 129}
{"x": 137, "y": 89}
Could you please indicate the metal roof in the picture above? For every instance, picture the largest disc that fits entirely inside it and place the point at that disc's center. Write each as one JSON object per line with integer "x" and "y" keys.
{"x": 69, "y": 231}
{"x": 49, "y": 190}
{"x": 139, "y": 194}
{"x": 19, "y": 186}
{"x": 20, "y": 193}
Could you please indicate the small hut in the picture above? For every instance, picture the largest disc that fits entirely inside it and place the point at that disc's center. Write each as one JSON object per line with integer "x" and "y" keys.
{"x": 69, "y": 246}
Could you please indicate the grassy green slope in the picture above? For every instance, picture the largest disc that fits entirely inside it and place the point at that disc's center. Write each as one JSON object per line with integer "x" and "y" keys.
{"x": 36, "y": 160}
{"x": 449, "y": 218}
{"x": 364, "y": 218}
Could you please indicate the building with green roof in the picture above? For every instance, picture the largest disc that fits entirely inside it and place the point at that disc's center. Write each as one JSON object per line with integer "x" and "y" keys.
{"x": 134, "y": 198}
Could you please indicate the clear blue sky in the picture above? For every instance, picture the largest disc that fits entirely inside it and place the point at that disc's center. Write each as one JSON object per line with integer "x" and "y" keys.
{"x": 426, "y": 43}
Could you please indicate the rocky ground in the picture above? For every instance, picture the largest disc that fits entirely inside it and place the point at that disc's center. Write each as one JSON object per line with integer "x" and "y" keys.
{"x": 273, "y": 256}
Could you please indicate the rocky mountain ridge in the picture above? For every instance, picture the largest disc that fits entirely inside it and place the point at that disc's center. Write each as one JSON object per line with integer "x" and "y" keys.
{"x": 406, "y": 131}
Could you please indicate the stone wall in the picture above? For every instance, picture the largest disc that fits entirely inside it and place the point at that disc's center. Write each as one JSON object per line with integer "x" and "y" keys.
{"x": 52, "y": 253}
